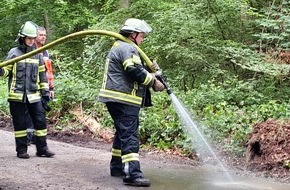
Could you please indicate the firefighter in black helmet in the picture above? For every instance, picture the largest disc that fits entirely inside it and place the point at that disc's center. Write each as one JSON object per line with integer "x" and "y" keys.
{"x": 125, "y": 89}
{"x": 28, "y": 87}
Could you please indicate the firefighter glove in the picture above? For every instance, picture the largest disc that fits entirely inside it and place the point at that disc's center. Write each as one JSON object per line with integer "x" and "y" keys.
{"x": 45, "y": 100}
{"x": 158, "y": 86}
{"x": 155, "y": 66}
{"x": 51, "y": 95}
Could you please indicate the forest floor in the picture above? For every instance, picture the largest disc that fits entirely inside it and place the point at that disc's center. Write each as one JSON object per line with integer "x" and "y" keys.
{"x": 268, "y": 149}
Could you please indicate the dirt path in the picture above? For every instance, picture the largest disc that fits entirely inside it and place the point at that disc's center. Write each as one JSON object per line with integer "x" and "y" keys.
{"x": 72, "y": 168}
{"x": 82, "y": 168}
{"x": 82, "y": 162}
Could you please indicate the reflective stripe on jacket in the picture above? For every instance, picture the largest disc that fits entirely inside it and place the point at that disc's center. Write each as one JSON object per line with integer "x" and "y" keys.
{"x": 26, "y": 78}
{"x": 125, "y": 77}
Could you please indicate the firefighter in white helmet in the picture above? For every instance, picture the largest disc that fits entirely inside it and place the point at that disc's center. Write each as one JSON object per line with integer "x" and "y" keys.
{"x": 125, "y": 89}
{"x": 28, "y": 92}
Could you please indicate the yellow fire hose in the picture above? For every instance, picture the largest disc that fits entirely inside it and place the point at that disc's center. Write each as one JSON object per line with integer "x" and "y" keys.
{"x": 76, "y": 35}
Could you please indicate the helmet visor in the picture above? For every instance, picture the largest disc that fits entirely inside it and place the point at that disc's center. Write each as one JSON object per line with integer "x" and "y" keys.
{"x": 144, "y": 27}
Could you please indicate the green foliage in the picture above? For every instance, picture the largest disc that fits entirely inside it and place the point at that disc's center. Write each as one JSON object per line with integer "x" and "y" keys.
{"x": 274, "y": 22}
{"x": 286, "y": 163}
{"x": 76, "y": 82}
{"x": 160, "y": 126}
{"x": 4, "y": 107}
{"x": 64, "y": 17}
{"x": 252, "y": 61}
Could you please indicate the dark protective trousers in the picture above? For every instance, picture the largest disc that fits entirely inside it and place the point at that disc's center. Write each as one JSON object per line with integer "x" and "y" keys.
{"x": 22, "y": 116}
{"x": 126, "y": 122}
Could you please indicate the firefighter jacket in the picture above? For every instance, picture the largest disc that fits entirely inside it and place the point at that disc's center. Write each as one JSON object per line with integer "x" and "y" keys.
{"x": 26, "y": 78}
{"x": 125, "y": 79}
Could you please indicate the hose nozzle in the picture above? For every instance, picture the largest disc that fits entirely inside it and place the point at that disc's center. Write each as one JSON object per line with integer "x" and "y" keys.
{"x": 162, "y": 79}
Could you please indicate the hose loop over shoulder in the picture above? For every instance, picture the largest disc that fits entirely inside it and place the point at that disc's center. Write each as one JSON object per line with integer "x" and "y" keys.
{"x": 77, "y": 35}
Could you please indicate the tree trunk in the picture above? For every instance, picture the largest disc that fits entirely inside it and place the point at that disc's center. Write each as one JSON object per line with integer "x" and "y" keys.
{"x": 46, "y": 23}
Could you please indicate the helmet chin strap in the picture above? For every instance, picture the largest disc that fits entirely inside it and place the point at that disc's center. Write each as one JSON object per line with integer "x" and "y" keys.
{"x": 135, "y": 41}
{"x": 134, "y": 38}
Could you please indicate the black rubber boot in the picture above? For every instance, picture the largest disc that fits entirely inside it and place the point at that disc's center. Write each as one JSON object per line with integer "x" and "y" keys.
{"x": 45, "y": 153}
{"x": 142, "y": 182}
{"x": 117, "y": 173}
{"x": 23, "y": 155}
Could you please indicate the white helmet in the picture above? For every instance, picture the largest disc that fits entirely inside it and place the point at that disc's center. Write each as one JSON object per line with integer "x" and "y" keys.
{"x": 136, "y": 25}
{"x": 28, "y": 29}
